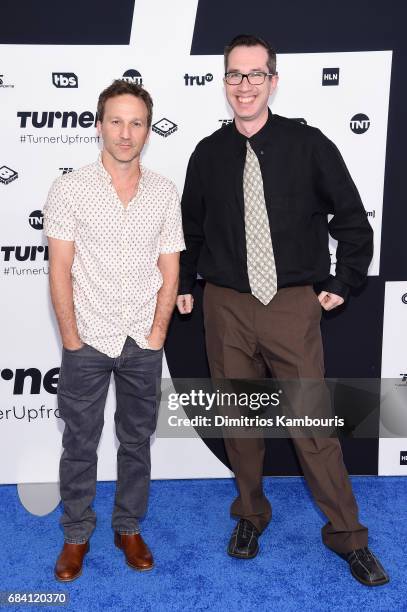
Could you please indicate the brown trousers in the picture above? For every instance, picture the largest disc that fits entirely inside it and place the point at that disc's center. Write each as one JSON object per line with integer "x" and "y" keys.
{"x": 243, "y": 338}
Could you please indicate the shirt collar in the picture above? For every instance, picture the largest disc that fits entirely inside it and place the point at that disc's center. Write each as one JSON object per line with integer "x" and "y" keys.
{"x": 102, "y": 170}
{"x": 260, "y": 137}
{"x": 106, "y": 176}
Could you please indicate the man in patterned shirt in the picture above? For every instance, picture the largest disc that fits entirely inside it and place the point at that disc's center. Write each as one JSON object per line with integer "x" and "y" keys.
{"x": 114, "y": 232}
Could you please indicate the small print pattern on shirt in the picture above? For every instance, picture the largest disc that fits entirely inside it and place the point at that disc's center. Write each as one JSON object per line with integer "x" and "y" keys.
{"x": 115, "y": 275}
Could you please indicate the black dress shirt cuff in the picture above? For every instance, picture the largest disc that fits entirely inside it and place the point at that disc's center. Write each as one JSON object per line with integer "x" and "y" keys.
{"x": 333, "y": 285}
{"x": 186, "y": 286}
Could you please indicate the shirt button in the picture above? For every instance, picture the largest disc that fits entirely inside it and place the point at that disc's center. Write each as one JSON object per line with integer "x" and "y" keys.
{"x": 262, "y": 152}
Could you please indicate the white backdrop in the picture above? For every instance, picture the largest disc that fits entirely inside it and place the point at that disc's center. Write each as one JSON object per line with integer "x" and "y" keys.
{"x": 30, "y": 436}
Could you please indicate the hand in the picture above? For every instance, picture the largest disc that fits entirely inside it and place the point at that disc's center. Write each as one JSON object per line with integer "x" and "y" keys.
{"x": 73, "y": 346}
{"x": 185, "y": 303}
{"x": 154, "y": 342}
{"x": 329, "y": 301}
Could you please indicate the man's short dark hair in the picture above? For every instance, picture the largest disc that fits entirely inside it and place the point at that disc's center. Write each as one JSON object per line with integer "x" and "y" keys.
{"x": 120, "y": 88}
{"x": 249, "y": 40}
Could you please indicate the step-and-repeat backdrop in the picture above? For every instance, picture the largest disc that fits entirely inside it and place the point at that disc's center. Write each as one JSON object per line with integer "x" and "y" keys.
{"x": 48, "y": 98}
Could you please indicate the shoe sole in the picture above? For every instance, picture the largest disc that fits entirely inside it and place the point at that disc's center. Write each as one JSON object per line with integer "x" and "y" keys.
{"x": 368, "y": 583}
{"x": 238, "y": 556}
{"x": 140, "y": 569}
{"x": 68, "y": 579}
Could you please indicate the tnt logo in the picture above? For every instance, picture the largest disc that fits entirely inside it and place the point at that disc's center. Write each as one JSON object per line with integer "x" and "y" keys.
{"x": 132, "y": 76}
{"x": 65, "y": 170}
{"x": 330, "y": 76}
{"x": 36, "y": 220}
{"x": 7, "y": 175}
{"x": 198, "y": 80}
{"x": 164, "y": 127}
{"x": 64, "y": 79}
{"x": 360, "y": 123}
{"x": 403, "y": 457}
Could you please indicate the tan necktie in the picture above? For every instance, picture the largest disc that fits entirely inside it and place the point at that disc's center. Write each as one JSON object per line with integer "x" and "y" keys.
{"x": 261, "y": 266}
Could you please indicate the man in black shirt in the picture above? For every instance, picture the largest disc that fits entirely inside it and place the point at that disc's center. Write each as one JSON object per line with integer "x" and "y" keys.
{"x": 255, "y": 204}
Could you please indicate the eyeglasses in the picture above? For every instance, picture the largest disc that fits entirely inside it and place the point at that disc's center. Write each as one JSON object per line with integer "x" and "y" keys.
{"x": 254, "y": 78}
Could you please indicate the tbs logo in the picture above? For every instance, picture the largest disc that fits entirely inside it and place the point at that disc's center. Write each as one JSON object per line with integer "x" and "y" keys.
{"x": 65, "y": 79}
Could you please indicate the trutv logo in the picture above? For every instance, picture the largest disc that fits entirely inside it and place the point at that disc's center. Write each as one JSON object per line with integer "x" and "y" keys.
{"x": 197, "y": 80}
{"x": 31, "y": 380}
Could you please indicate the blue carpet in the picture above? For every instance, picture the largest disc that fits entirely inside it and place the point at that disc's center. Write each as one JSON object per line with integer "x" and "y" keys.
{"x": 188, "y": 528}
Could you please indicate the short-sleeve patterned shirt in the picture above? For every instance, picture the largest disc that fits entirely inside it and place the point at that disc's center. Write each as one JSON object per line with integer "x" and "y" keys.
{"x": 115, "y": 275}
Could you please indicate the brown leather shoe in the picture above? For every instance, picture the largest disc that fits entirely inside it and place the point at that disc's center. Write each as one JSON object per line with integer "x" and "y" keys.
{"x": 69, "y": 563}
{"x": 136, "y": 551}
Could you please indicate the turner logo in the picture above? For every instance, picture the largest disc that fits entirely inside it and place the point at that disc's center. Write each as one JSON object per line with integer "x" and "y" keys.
{"x": 7, "y": 175}
{"x": 65, "y": 79}
{"x": 132, "y": 76}
{"x": 36, "y": 220}
{"x": 164, "y": 127}
{"x": 31, "y": 380}
{"x": 360, "y": 123}
{"x": 197, "y": 80}
{"x": 61, "y": 119}
{"x": 403, "y": 457}
{"x": 404, "y": 298}
{"x": 330, "y": 76}
{"x": 24, "y": 253}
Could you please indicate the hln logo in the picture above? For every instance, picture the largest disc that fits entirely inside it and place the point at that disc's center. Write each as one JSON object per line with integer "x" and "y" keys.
{"x": 330, "y": 76}
{"x": 403, "y": 457}
{"x": 64, "y": 79}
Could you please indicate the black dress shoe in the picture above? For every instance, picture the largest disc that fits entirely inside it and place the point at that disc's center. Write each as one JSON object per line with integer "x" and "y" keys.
{"x": 365, "y": 567}
{"x": 244, "y": 541}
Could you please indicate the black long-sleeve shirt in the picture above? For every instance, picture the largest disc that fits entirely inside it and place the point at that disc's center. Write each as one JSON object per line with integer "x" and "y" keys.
{"x": 304, "y": 180}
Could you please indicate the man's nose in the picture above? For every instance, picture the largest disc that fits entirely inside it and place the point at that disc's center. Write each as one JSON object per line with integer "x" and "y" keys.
{"x": 245, "y": 85}
{"x": 125, "y": 132}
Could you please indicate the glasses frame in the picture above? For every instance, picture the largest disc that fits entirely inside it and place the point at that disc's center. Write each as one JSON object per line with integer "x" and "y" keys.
{"x": 265, "y": 74}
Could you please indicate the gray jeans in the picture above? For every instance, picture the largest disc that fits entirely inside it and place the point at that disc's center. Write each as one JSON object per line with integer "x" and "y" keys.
{"x": 82, "y": 389}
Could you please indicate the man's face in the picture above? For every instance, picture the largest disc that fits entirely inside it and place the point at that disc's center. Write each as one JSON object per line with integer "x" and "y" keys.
{"x": 249, "y": 102}
{"x": 124, "y": 127}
